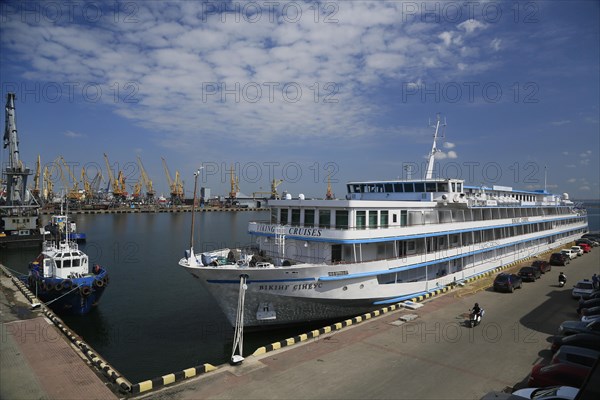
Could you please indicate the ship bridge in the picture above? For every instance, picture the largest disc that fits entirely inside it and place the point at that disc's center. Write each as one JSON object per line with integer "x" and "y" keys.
{"x": 408, "y": 190}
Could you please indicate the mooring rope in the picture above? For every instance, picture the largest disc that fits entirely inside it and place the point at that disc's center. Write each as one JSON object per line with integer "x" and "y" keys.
{"x": 238, "y": 339}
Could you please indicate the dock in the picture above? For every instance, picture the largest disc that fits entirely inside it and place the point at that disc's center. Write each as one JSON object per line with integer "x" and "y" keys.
{"x": 37, "y": 361}
{"x": 152, "y": 210}
{"x": 419, "y": 350}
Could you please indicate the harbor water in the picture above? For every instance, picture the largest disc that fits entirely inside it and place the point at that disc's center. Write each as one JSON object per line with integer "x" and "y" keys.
{"x": 154, "y": 317}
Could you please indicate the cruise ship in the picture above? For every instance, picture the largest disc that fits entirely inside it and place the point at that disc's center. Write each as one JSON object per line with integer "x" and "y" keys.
{"x": 386, "y": 242}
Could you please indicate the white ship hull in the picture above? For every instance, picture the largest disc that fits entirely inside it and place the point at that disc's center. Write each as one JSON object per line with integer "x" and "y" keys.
{"x": 305, "y": 293}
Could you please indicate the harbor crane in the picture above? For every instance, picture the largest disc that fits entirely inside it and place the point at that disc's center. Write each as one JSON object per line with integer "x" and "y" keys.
{"x": 118, "y": 184}
{"x": 273, "y": 193}
{"x": 146, "y": 180}
{"x": 175, "y": 186}
{"x": 16, "y": 173}
{"x": 235, "y": 184}
{"x": 72, "y": 193}
{"x": 36, "y": 178}
{"x": 48, "y": 185}
{"x": 88, "y": 187}
{"x": 329, "y": 195}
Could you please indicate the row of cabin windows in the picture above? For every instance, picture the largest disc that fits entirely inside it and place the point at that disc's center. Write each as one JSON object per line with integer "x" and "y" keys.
{"x": 364, "y": 219}
{"x": 492, "y": 194}
{"x": 66, "y": 263}
{"x": 403, "y": 248}
{"x": 440, "y": 269}
{"x": 412, "y": 187}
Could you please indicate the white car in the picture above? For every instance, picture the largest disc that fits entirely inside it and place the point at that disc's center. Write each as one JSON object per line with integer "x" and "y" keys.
{"x": 569, "y": 253}
{"x": 584, "y": 289}
{"x": 578, "y": 250}
{"x": 548, "y": 393}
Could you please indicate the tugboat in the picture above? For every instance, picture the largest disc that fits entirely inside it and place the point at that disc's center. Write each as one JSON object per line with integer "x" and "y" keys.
{"x": 62, "y": 277}
{"x": 57, "y": 227}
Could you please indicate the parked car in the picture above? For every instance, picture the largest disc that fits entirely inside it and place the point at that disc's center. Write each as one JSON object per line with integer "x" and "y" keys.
{"x": 585, "y": 247}
{"x": 529, "y": 274}
{"x": 591, "y": 236}
{"x": 558, "y": 374}
{"x": 577, "y": 250}
{"x": 586, "y": 340}
{"x": 579, "y": 356}
{"x": 590, "y": 314}
{"x": 569, "y": 253}
{"x": 548, "y": 393}
{"x": 589, "y": 242}
{"x": 559, "y": 259}
{"x": 568, "y": 328}
{"x": 583, "y": 289}
{"x": 588, "y": 304}
{"x": 507, "y": 282}
{"x": 543, "y": 266}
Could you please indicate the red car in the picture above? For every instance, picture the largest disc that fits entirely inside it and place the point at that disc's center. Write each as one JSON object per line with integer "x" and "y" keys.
{"x": 557, "y": 375}
{"x": 585, "y": 247}
{"x": 542, "y": 266}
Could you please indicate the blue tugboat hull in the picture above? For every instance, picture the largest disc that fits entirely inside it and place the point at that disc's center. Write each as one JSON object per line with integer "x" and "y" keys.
{"x": 76, "y": 296}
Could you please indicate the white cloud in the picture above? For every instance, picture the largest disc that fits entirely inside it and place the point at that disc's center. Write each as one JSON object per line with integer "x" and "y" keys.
{"x": 561, "y": 122}
{"x": 565, "y": 153}
{"x": 73, "y": 135}
{"x": 471, "y": 25}
{"x": 173, "y": 56}
{"x": 495, "y": 44}
{"x": 584, "y": 188}
{"x": 571, "y": 166}
{"x": 449, "y": 145}
{"x": 572, "y": 180}
{"x": 441, "y": 155}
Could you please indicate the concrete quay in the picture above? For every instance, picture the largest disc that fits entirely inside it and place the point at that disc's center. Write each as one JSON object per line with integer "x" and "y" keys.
{"x": 435, "y": 356}
{"x": 36, "y": 360}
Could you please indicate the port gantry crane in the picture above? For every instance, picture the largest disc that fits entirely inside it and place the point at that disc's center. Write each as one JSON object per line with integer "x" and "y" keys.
{"x": 48, "y": 185}
{"x": 146, "y": 180}
{"x": 118, "y": 185}
{"x": 72, "y": 193}
{"x": 273, "y": 193}
{"x": 175, "y": 186}
{"x": 36, "y": 178}
{"x": 91, "y": 192}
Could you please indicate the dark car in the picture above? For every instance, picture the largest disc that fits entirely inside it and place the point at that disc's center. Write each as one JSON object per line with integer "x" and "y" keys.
{"x": 590, "y": 314}
{"x": 589, "y": 242}
{"x": 529, "y": 274}
{"x": 559, "y": 259}
{"x": 558, "y": 375}
{"x": 588, "y": 304}
{"x": 543, "y": 266}
{"x": 587, "y": 340}
{"x": 568, "y": 328}
{"x": 507, "y": 282}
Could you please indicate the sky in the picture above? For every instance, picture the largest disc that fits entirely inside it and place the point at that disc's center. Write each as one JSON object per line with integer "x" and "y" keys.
{"x": 309, "y": 91}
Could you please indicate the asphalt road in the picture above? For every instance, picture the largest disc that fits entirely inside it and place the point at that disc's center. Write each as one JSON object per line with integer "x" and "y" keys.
{"x": 434, "y": 357}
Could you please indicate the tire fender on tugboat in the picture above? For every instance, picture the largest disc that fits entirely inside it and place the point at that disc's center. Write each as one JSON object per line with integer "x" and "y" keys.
{"x": 99, "y": 283}
{"x": 85, "y": 290}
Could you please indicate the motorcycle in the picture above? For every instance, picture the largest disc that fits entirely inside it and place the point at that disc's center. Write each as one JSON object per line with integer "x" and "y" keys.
{"x": 475, "y": 319}
{"x": 562, "y": 280}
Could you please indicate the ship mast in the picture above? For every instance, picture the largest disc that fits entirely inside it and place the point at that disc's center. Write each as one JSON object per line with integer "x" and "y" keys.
{"x": 192, "y": 254}
{"x": 434, "y": 149}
